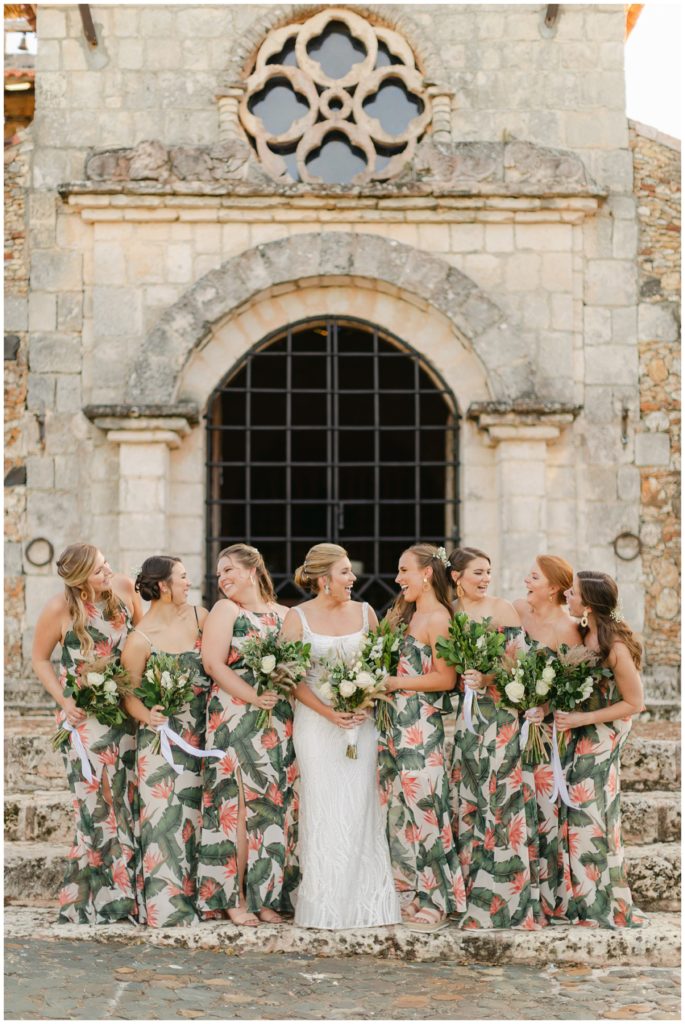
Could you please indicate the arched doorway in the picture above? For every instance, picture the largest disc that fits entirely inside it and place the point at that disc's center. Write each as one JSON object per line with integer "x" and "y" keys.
{"x": 331, "y": 429}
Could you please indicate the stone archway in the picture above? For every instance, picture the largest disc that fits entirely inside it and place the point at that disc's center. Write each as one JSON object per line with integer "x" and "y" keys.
{"x": 333, "y": 258}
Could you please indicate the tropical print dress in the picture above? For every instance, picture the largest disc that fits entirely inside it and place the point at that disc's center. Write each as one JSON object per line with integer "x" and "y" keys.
{"x": 494, "y": 817}
{"x": 262, "y": 762}
{"x": 98, "y": 884}
{"x": 415, "y": 789}
{"x": 593, "y": 890}
{"x": 168, "y": 818}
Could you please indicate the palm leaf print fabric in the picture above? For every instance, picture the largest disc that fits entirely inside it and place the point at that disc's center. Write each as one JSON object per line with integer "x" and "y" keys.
{"x": 262, "y": 761}
{"x": 98, "y": 884}
{"x": 169, "y": 816}
{"x": 414, "y": 788}
{"x": 494, "y": 818}
{"x": 593, "y": 888}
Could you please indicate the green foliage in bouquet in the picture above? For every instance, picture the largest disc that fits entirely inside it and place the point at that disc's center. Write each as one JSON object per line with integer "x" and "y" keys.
{"x": 276, "y": 665}
{"x": 523, "y": 680}
{"x": 96, "y": 687}
{"x": 166, "y": 681}
{"x": 380, "y": 654}
{"x": 575, "y": 683}
{"x": 470, "y": 644}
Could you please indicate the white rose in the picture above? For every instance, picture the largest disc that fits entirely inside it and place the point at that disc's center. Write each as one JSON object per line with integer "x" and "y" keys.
{"x": 268, "y": 664}
{"x": 587, "y": 688}
{"x": 95, "y": 679}
{"x": 480, "y": 642}
{"x": 515, "y": 692}
{"x": 347, "y": 688}
{"x": 542, "y": 687}
{"x": 548, "y": 674}
{"x": 110, "y": 686}
{"x": 326, "y": 691}
{"x": 365, "y": 680}
{"x": 166, "y": 682}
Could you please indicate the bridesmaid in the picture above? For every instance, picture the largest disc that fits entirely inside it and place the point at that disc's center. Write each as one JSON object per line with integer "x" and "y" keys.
{"x": 413, "y": 776}
{"x": 495, "y": 832}
{"x": 168, "y": 811}
{"x": 91, "y": 620}
{"x": 545, "y": 619}
{"x": 595, "y": 889}
{"x": 248, "y": 797}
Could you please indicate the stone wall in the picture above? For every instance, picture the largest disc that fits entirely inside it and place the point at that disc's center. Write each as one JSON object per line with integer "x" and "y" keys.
{"x": 111, "y": 261}
{"x": 656, "y": 160}
{"x": 18, "y": 433}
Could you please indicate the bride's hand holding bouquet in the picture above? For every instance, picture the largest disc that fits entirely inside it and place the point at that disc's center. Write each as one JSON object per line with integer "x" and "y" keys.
{"x": 352, "y": 688}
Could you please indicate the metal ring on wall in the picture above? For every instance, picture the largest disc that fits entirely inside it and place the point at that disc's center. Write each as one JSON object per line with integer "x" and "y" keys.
{"x": 49, "y": 551}
{"x": 626, "y": 543}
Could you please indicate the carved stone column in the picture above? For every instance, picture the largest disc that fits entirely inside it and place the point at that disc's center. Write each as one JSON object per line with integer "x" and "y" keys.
{"x": 441, "y": 101}
{"x": 145, "y": 442}
{"x": 521, "y": 433}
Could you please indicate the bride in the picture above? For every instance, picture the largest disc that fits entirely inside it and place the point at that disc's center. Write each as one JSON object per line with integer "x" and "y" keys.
{"x": 344, "y": 859}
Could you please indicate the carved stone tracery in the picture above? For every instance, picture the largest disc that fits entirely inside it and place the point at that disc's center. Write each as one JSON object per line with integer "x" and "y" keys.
{"x": 336, "y": 106}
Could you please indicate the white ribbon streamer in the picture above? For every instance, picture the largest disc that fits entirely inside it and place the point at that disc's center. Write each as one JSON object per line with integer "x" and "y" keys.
{"x": 468, "y": 708}
{"x": 524, "y": 733}
{"x": 167, "y": 736}
{"x": 77, "y": 744}
{"x": 352, "y": 735}
{"x": 560, "y": 787}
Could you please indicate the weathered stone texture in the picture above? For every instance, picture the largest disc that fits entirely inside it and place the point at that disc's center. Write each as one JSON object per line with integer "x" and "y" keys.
{"x": 658, "y": 193}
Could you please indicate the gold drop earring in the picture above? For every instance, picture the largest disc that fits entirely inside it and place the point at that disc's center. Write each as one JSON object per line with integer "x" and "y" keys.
{"x": 326, "y": 587}
{"x": 584, "y": 620}
{"x": 460, "y": 590}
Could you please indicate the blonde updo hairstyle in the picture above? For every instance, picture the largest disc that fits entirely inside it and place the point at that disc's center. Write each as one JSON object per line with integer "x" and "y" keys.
{"x": 74, "y": 566}
{"x": 318, "y": 563}
{"x": 250, "y": 558}
{"x": 427, "y": 557}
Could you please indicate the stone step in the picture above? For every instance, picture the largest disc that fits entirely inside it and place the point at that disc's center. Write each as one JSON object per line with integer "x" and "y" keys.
{"x": 656, "y": 945}
{"x": 43, "y": 816}
{"x": 651, "y": 817}
{"x": 47, "y": 816}
{"x": 35, "y": 870}
{"x": 650, "y": 760}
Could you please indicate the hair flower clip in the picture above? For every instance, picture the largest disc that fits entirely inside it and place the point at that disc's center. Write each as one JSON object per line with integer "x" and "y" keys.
{"x": 442, "y": 555}
{"x": 616, "y": 612}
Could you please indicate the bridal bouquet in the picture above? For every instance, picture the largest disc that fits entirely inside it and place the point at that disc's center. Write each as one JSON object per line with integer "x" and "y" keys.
{"x": 168, "y": 682}
{"x": 277, "y": 665}
{"x": 352, "y": 686}
{"x": 380, "y": 654}
{"x": 95, "y": 687}
{"x": 576, "y": 673}
{"x": 473, "y": 645}
{"x": 524, "y": 680}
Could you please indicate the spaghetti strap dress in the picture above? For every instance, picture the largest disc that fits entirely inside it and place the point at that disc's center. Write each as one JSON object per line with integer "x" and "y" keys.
{"x": 347, "y": 877}
{"x": 261, "y": 762}
{"x": 169, "y": 813}
{"x": 99, "y": 882}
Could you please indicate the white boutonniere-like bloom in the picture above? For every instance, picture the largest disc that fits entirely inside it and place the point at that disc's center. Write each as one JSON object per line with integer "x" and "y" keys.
{"x": 587, "y": 688}
{"x": 347, "y": 688}
{"x": 95, "y": 679}
{"x": 365, "y": 680}
{"x": 166, "y": 682}
{"x": 326, "y": 691}
{"x": 110, "y": 686}
{"x": 542, "y": 686}
{"x": 268, "y": 664}
{"x": 548, "y": 674}
{"x": 515, "y": 692}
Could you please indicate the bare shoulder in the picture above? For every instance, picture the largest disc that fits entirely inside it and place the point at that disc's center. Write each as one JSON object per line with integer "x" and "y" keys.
{"x": 224, "y": 610}
{"x": 292, "y": 625}
{"x": 137, "y": 641}
{"x": 619, "y": 656}
{"x": 504, "y": 613}
{"x": 123, "y": 586}
{"x": 439, "y": 621}
{"x": 202, "y": 614}
{"x": 282, "y": 610}
{"x": 520, "y": 606}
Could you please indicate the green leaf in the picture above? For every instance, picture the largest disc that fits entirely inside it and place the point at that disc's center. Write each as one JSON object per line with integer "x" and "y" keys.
{"x": 218, "y": 853}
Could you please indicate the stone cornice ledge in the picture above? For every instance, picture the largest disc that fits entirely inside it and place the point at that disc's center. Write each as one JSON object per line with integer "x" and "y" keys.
{"x": 523, "y": 420}
{"x": 144, "y": 424}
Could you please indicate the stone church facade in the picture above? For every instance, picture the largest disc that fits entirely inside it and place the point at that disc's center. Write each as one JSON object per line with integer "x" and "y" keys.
{"x": 272, "y": 296}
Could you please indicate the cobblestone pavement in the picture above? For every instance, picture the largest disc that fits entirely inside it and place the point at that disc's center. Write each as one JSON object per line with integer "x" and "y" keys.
{"x": 81, "y": 980}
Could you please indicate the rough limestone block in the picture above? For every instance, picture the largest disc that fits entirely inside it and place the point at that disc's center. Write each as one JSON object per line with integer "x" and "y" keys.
{"x": 54, "y": 353}
{"x": 654, "y": 875}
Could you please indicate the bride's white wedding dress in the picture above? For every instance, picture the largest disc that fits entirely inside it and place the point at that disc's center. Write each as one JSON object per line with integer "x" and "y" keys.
{"x": 343, "y": 851}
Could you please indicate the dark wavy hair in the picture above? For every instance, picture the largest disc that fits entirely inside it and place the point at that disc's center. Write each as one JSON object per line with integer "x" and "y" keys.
{"x": 426, "y": 556}
{"x": 153, "y": 571}
{"x": 599, "y": 592}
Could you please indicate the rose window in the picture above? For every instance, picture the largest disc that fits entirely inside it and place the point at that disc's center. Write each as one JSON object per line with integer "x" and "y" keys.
{"x": 335, "y": 100}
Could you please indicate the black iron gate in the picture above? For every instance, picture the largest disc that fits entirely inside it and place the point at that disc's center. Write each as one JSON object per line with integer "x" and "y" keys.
{"x": 331, "y": 430}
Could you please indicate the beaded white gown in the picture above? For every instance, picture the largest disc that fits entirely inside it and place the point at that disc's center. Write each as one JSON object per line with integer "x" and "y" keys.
{"x": 344, "y": 859}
